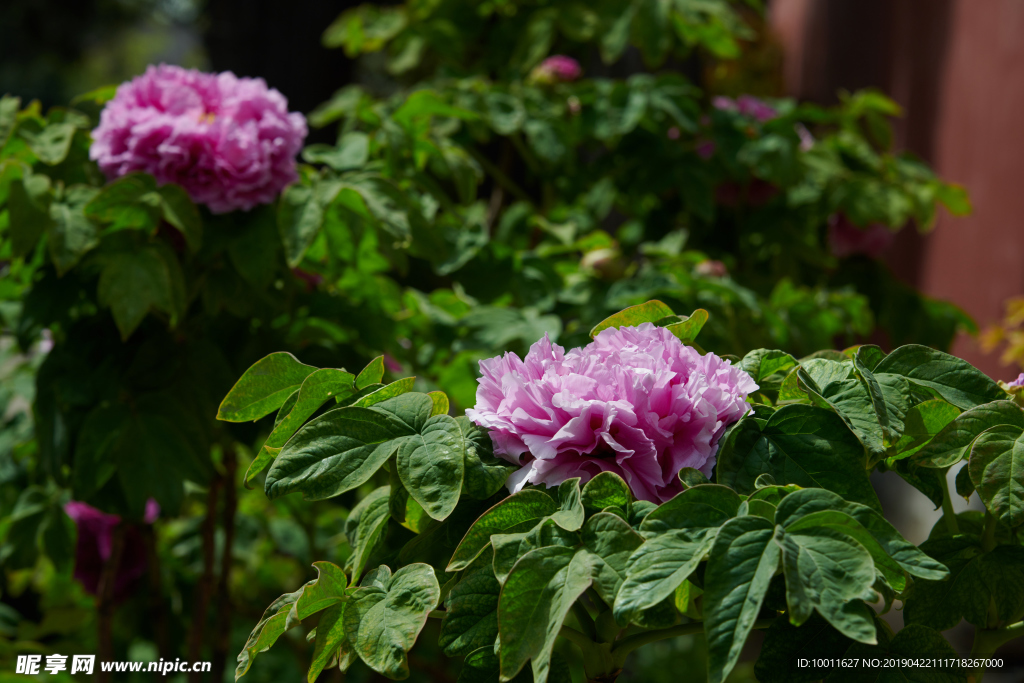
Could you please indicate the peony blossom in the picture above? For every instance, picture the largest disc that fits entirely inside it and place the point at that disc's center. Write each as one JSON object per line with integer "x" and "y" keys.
{"x": 229, "y": 141}
{"x": 636, "y": 401}
{"x": 95, "y": 545}
{"x": 556, "y": 69}
{"x": 846, "y": 239}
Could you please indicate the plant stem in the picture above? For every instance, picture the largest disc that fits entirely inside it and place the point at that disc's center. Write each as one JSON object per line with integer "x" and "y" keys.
{"x": 224, "y": 606}
{"x": 574, "y": 636}
{"x": 987, "y": 641}
{"x": 630, "y": 643}
{"x": 948, "y": 515}
{"x": 988, "y": 537}
{"x": 586, "y": 621}
{"x": 436, "y": 614}
{"x": 205, "y": 587}
{"x": 105, "y": 602}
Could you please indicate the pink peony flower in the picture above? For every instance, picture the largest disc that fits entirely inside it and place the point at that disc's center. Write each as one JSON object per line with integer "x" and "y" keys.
{"x": 846, "y": 239}
{"x": 1019, "y": 382}
{"x": 635, "y": 401}
{"x": 95, "y": 545}
{"x": 229, "y": 141}
{"x": 555, "y": 69}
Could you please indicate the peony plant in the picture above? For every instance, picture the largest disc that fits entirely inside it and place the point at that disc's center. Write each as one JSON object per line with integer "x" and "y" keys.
{"x": 637, "y": 489}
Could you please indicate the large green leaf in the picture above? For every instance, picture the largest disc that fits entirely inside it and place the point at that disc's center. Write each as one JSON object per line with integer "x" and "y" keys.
{"x": 943, "y": 604}
{"x": 132, "y": 283}
{"x": 264, "y": 388}
{"x": 953, "y": 443}
{"x": 365, "y": 527}
{"x": 471, "y": 613}
{"x": 131, "y": 201}
{"x": 509, "y": 548}
{"x": 342, "y": 448}
{"x": 178, "y": 210}
{"x": 922, "y": 424}
{"x": 267, "y": 631}
{"x": 605, "y": 490}
{"x": 649, "y": 312}
{"x": 27, "y": 206}
{"x": 327, "y": 589}
{"x": 699, "y": 507}
{"x": 516, "y": 513}
{"x": 386, "y": 613}
{"x": 71, "y": 234}
{"x": 315, "y": 390}
{"x": 803, "y": 445}
{"x": 656, "y": 568}
{"x": 484, "y": 473}
{"x": 803, "y": 509}
{"x": 331, "y": 642}
{"x": 533, "y": 603}
{"x": 610, "y": 541}
{"x": 997, "y": 470}
{"x": 829, "y": 572}
{"x": 955, "y": 380}
{"x": 743, "y": 560}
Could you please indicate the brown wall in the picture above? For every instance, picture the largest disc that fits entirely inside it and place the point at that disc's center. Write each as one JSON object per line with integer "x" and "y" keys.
{"x": 957, "y": 68}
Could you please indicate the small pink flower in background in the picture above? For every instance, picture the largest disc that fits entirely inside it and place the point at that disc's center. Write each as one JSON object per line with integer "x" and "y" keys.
{"x": 1019, "y": 382}
{"x": 312, "y": 280}
{"x": 635, "y": 401}
{"x": 806, "y": 139}
{"x": 705, "y": 149}
{"x": 573, "y": 103}
{"x": 230, "y": 142}
{"x": 673, "y": 133}
{"x": 846, "y": 239}
{"x": 556, "y": 69}
{"x": 392, "y": 364}
{"x": 748, "y": 105}
{"x": 95, "y": 546}
{"x": 711, "y": 268}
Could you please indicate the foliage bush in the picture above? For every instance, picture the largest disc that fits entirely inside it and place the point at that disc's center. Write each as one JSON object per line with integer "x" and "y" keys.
{"x": 474, "y": 200}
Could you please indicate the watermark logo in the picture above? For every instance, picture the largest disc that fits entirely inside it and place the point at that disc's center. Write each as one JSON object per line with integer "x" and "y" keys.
{"x": 85, "y": 664}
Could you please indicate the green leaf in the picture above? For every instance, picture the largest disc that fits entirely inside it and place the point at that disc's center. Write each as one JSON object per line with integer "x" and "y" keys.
{"x": 649, "y": 312}
{"x": 52, "y": 144}
{"x": 396, "y": 388}
{"x": 922, "y": 424}
{"x": 803, "y": 445}
{"x": 365, "y": 527}
{"x": 509, "y": 548}
{"x": 322, "y": 592}
{"x": 316, "y": 389}
{"x": 955, "y": 380}
{"x": 657, "y": 568}
{"x": 699, "y": 507}
{"x": 8, "y": 117}
{"x": 178, "y": 210}
{"x": 352, "y": 152}
{"x": 373, "y": 373}
{"x": 342, "y": 448}
{"x": 829, "y": 572}
{"x": 484, "y": 473}
{"x": 607, "y": 489}
{"x": 471, "y": 614}
{"x": 690, "y": 326}
{"x": 432, "y": 465}
{"x": 300, "y": 216}
{"x": 440, "y": 399}
{"x": 533, "y": 603}
{"x": 267, "y": 631}
{"x": 692, "y": 477}
{"x": 805, "y": 504}
{"x": 942, "y": 604}
{"x": 29, "y": 216}
{"x": 131, "y": 201}
{"x": 264, "y": 388}
{"x": 384, "y": 617}
{"x": 71, "y": 234}
{"x": 743, "y": 560}
{"x": 953, "y": 443}
{"x": 610, "y": 541}
{"x": 517, "y": 512}
{"x": 331, "y": 642}
{"x": 997, "y": 470}
{"x": 570, "y": 514}
{"x": 133, "y": 283}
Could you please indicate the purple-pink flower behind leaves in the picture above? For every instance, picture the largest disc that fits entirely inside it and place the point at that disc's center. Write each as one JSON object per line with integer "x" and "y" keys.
{"x": 636, "y": 401}
{"x": 748, "y": 105}
{"x": 229, "y": 141}
{"x": 557, "y": 68}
